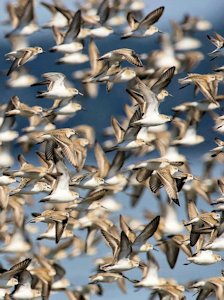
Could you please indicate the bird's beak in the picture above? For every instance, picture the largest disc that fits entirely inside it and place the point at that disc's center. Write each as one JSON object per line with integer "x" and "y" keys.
{"x": 80, "y": 94}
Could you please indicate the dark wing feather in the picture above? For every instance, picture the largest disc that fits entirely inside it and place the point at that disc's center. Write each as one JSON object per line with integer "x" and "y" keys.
{"x": 8, "y": 122}
{"x": 21, "y": 266}
{"x": 103, "y": 11}
{"x": 194, "y": 235}
{"x": 49, "y": 149}
{"x": 125, "y": 247}
{"x": 117, "y": 163}
{"x": 59, "y": 229}
{"x": 67, "y": 149}
{"x": 172, "y": 252}
{"x": 148, "y": 231}
{"x": 143, "y": 174}
{"x": 74, "y": 28}
{"x": 155, "y": 183}
{"x": 136, "y": 194}
{"x": 164, "y": 80}
{"x": 111, "y": 240}
{"x": 132, "y": 22}
{"x": 102, "y": 161}
{"x": 28, "y": 14}
{"x": 127, "y": 230}
{"x": 152, "y": 17}
{"x": 96, "y": 195}
{"x": 27, "y": 55}
{"x": 169, "y": 184}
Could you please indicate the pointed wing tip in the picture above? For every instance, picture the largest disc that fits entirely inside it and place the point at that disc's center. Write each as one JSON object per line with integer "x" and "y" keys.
{"x": 176, "y": 201}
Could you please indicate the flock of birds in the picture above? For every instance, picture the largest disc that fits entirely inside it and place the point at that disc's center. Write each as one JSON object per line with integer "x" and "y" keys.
{"x": 79, "y": 197}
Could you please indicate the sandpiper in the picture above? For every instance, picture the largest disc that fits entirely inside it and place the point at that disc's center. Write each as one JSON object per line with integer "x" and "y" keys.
{"x": 56, "y": 231}
{"x": 123, "y": 259}
{"x": 24, "y": 20}
{"x": 201, "y": 223}
{"x": 22, "y": 56}
{"x": 73, "y": 150}
{"x": 23, "y": 109}
{"x": 24, "y": 290}
{"x": 216, "y": 244}
{"x": 6, "y": 132}
{"x": 215, "y": 151}
{"x": 57, "y": 18}
{"x": 28, "y": 170}
{"x": 56, "y": 87}
{"x": 121, "y": 75}
{"x": 139, "y": 242}
{"x": 206, "y": 83}
{"x": 204, "y": 257}
{"x": 218, "y": 41}
{"x": 213, "y": 285}
{"x": 73, "y": 58}
{"x": 67, "y": 43}
{"x": 64, "y": 107}
{"x": 58, "y": 218}
{"x": 165, "y": 177}
{"x": 17, "y": 242}
{"x": 151, "y": 115}
{"x": 119, "y": 55}
{"x": 20, "y": 78}
{"x": 87, "y": 180}
{"x": 171, "y": 290}
{"x": 150, "y": 276}
{"x": 111, "y": 277}
{"x": 145, "y": 27}
{"x": 7, "y": 277}
{"x": 188, "y": 135}
{"x": 61, "y": 192}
